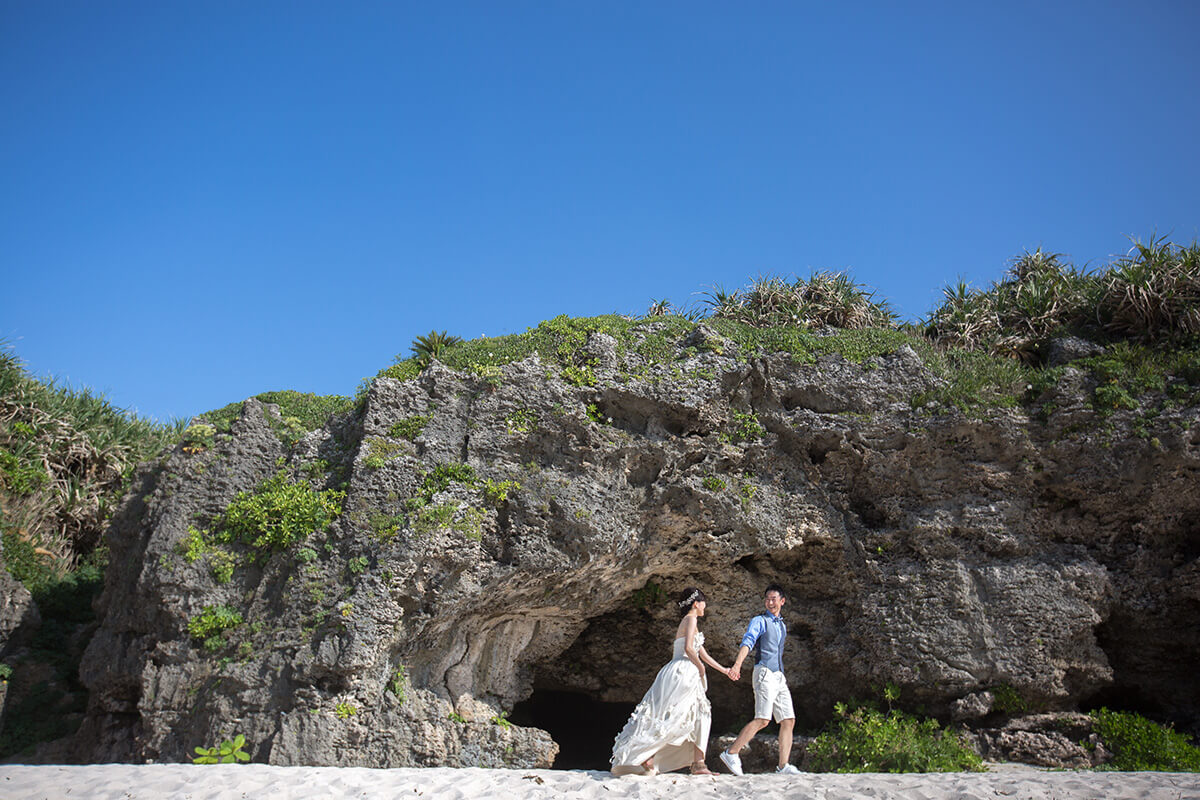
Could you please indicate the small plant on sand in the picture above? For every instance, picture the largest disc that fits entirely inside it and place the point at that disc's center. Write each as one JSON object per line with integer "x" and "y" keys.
{"x": 227, "y": 752}
{"x": 865, "y": 739}
{"x": 1139, "y": 744}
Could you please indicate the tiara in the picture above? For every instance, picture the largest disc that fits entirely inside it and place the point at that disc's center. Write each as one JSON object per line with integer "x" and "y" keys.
{"x": 687, "y": 600}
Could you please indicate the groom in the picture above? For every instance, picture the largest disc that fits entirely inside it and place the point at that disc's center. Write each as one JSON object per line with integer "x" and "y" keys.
{"x": 765, "y": 635}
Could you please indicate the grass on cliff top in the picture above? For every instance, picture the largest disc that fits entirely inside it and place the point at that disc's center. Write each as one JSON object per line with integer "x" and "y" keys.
{"x": 656, "y": 340}
{"x": 311, "y": 411}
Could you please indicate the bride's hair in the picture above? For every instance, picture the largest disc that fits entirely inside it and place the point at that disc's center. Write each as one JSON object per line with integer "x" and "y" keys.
{"x": 687, "y": 598}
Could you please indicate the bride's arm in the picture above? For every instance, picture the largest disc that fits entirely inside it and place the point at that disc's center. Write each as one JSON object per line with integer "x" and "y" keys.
{"x": 689, "y": 643}
{"x": 712, "y": 662}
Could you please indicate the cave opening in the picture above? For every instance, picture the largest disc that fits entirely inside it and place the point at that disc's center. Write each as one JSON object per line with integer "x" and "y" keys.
{"x": 583, "y": 727}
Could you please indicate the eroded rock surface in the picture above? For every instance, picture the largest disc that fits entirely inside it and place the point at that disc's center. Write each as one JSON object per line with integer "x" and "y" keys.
{"x": 947, "y": 554}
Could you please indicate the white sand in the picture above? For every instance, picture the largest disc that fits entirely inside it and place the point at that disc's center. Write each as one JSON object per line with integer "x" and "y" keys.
{"x": 257, "y": 781}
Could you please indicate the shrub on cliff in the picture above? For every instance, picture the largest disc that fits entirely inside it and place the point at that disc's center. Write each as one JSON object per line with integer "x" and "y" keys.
{"x": 865, "y": 739}
{"x": 1151, "y": 295}
{"x": 825, "y": 299}
{"x": 1139, "y": 744}
{"x": 279, "y": 514}
{"x": 64, "y": 456}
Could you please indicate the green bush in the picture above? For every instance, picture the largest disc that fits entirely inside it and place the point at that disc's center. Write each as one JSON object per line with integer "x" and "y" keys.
{"x": 864, "y": 739}
{"x": 279, "y": 514}
{"x": 497, "y": 492}
{"x": 443, "y": 475}
{"x": 1138, "y": 744}
{"x": 410, "y": 427}
{"x": 210, "y": 625}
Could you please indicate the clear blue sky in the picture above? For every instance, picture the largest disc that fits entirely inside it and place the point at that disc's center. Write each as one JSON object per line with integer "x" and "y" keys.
{"x": 201, "y": 201}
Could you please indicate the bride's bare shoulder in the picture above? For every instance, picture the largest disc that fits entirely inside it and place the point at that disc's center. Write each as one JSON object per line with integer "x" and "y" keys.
{"x": 686, "y": 625}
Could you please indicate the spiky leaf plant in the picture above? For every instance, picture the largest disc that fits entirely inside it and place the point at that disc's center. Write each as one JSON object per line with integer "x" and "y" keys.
{"x": 432, "y": 346}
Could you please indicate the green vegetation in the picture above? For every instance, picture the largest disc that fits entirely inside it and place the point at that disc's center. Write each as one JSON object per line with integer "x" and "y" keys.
{"x": 743, "y": 427}
{"x": 454, "y": 716}
{"x": 1152, "y": 295}
{"x": 308, "y": 412}
{"x": 345, "y": 710}
{"x": 1139, "y": 744}
{"x": 865, "y": 739}
{"x": 379, "y": 452}
{"x": 198, "y": 437}
{"x": 1007, "y": 700}
{"x": 386, "y": 526}
{"x": 713, "y": 483}
{"x": 410, "y": 427}
{"x": 66, "y": 456}
{"x": 649, "y": 595}
{"x": 829, "y": 299}
{"x": 278, "y": 514}
{"x": 497, "y": 492}
{"x": 432, "y": 346}
{"x": 398, "y": 685}
{"x": 227, "y": 752}
{"x": 501, "y": 719}
{"x": 522, "y": 420}
{"x": 211, "y": 624}
{"x": 197, "y": 545}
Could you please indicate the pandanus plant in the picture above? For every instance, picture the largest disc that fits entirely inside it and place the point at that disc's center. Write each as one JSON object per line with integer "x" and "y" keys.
{"x": 431, "y": 346}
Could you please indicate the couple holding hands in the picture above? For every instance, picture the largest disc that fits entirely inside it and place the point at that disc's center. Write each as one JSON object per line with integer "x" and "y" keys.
{"x": 669, "y": 727}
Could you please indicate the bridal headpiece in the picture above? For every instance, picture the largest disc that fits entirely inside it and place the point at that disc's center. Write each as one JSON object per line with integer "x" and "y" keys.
{"x": 687, "y": 601}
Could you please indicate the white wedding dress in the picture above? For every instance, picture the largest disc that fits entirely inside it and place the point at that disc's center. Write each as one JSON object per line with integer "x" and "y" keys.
{"x": 673, "y": 717}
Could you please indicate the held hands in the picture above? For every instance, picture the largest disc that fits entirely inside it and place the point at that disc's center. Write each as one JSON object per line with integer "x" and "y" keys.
{"x": 734, "y": 673}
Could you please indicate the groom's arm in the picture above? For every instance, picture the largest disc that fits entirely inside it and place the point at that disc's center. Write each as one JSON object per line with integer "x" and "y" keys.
{"x": 735, "y": 672}
{"x": 753, "y": 631}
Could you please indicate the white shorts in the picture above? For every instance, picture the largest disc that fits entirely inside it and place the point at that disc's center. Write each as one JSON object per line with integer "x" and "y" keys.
{"x": 772, "y": 698}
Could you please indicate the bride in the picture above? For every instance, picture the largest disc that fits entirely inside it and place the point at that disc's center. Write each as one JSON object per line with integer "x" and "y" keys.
{"x": 669, "y": 728}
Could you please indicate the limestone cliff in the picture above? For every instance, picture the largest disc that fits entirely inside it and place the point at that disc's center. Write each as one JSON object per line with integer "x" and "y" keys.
{"x": 1039, "y": 551}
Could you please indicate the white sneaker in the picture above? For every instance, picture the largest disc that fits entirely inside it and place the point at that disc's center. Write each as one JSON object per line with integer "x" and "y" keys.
{"x": 732, "y": 762}
{"x": 787, "y": 769}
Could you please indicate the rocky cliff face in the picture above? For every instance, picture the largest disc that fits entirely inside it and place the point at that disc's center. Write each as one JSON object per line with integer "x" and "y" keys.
{"x": 1047, "y": 557}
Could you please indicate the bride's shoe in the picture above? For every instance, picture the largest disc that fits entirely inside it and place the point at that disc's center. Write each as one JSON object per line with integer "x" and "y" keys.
{"x": 651, "y": 770}
{"x": 700, "y": 768}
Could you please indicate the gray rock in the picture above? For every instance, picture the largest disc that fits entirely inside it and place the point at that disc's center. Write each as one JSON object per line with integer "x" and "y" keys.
{"x": 1065, "y": 349}
{"x": 942, "y": 552}
{"x": 1045, "y": 740}
{"x": 976, "y": 705}
{"x": 19, "y": 616}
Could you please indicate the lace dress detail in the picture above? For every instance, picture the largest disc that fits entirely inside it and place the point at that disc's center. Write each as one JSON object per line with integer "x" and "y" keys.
{"x": 673, "y": 717}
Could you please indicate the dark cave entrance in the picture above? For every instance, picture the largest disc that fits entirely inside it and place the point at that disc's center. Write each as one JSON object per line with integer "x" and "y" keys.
{"x": 583, "y": 726}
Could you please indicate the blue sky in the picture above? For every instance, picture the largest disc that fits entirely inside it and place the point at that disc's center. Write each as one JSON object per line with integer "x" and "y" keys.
{"x": 206, "y": 200}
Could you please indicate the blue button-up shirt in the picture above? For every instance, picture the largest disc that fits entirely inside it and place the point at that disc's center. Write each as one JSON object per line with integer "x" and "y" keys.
{"x": 765, "y": 635}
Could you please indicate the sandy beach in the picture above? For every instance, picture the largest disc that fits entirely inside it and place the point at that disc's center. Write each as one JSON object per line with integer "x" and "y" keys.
{"x": 235, "y": 782}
